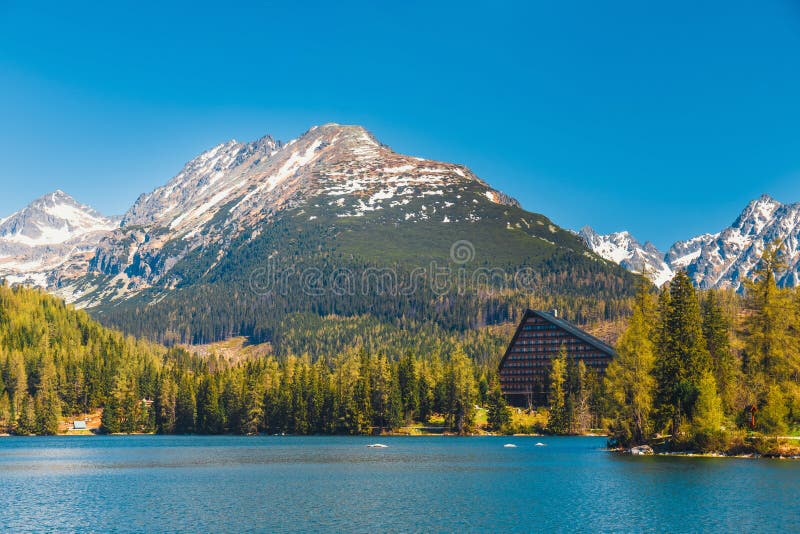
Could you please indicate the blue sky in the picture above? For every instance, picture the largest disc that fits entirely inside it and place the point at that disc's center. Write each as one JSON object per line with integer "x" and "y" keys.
{"x": 661, "y": 119}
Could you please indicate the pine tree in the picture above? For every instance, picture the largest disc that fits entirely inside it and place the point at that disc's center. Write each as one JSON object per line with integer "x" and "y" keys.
{"x": 498, "y": 414}
{"x": 110, "y": 420}
{"x": 26, "y": 420}
{"x": 185, "y": 407}
{"x": 683, "y": 356}
{"x": 409, "y": 387}
{"x": 47, "y": 402}
{"x": 209, "y": 415}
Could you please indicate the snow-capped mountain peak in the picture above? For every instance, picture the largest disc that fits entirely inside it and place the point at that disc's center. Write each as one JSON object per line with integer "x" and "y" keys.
{"x": 622, "y": 248}
{"x": 726, "y": 258}
{"x": 52, "y": 219}
{"x": 234, "y": 189}
{"x": 53, "y": 232}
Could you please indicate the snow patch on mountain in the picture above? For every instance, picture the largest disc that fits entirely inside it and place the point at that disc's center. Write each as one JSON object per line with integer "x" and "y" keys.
{"x": 622, "y": 248}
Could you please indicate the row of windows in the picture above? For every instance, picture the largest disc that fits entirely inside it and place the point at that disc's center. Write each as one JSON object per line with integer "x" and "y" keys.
{"x": 540, "y": 360}
{"x": 512, "y": 379}
{"x": 551, "y": 350}
{"x": 572, "y": 343}
{"x": 539, "y": 327}
{"x": 551, "y": 333}
{"x": 539, "y": 369}
{"x": 523, "y": 355}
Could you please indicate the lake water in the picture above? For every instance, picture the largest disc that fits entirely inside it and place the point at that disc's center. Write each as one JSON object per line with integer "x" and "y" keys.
{"x": 439, "y": 484}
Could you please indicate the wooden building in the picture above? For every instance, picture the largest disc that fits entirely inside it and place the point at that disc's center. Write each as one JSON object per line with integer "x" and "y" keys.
{"x": 525, "y": 367}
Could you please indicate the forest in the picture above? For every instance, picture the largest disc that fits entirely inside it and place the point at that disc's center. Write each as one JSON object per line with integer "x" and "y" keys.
{"x": 58, "y": 362}
{"x": 701, "y": 370}
{"x": 710, "y": 371}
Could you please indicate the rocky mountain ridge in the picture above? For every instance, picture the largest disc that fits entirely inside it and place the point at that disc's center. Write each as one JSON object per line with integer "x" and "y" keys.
{"x": 719, "y": 260}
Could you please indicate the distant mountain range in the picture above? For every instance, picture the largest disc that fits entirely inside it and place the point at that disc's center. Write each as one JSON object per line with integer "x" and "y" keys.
{"x": 720, "y": 260}
{"x": 179, "y": 263}
{"x": 51, "y": 240}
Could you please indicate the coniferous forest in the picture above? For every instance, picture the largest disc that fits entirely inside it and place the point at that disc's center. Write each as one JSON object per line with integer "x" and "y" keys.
{"x": 696, "y": 370}
{"x": 709, "y": 371}
{"x": 57, "y": 362}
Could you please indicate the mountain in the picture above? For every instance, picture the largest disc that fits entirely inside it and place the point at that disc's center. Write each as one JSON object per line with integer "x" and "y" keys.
{"x": 622, "y": 248}
{"x": 51, "y": 241}
{"x": 191, "y": 260}
{"x": 332, "y": 172}
{"x": 726, "y": 258}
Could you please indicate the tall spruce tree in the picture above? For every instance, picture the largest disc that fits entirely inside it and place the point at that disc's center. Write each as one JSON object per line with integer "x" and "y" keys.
{"x": 209, "y": 415}
{"x": 683, "y": 355}
{"x": 498, "y": 414}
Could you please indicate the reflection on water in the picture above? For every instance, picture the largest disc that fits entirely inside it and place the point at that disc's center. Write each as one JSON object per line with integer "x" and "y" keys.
{"x": 146, "y": 483}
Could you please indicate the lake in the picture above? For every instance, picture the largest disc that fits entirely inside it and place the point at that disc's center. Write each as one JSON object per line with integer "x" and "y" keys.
{"x": 424, "y": 484}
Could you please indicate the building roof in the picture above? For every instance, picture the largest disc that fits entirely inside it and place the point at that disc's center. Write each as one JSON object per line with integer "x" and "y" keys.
{"x": 564, "y": 325}
{"x": 79, "y": 425}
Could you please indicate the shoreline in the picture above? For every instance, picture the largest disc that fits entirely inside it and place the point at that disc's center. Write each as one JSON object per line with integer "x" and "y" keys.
{"x": 692, "y": 454}
{"x": 388, "y": 435}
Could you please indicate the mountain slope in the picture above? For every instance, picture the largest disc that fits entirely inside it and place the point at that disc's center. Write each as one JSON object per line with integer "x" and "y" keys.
{"x": 727, "y": 258}
{"x": 333, "y": 203}
{"x": 51, "y": 240}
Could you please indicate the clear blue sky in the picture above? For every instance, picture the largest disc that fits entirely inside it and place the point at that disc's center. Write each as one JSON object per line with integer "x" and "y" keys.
{"x": 664, "y": 120}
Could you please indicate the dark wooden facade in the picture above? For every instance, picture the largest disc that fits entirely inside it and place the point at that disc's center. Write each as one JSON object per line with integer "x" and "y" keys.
{"x": 525, "y": 367}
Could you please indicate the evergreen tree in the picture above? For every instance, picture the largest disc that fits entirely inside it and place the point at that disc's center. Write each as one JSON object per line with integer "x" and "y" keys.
{"x": 209, "y": 415}
{"x": 110, "y": 420}
{"x": 498, "y": 413}
{"x": 48, "y": 404}
{"x": 185, "y": 407}
{"x": 580, "y": 416}
{"x": 409, "y": 387}
{"x": 683, "y": 354}
{"x": 26, "y": 419}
